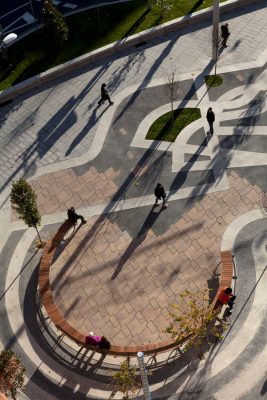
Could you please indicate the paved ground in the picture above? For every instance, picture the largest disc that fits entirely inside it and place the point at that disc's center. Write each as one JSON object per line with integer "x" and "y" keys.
{"x": 120, "y": 271}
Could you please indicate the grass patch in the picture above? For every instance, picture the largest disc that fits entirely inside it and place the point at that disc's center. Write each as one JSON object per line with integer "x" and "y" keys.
{"x": 88, "y": 31}
{"x": 213, "y": 80}
{"x": 18, "y": 70}
{"x": 164, "y": 130}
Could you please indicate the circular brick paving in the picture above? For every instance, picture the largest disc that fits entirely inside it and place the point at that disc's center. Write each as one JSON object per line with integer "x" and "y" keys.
{"x": 106, "y": 282}
{"x": 120, "y": 286}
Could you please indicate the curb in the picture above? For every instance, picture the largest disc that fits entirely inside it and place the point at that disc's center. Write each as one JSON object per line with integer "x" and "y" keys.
{"x": 115, "y": 47}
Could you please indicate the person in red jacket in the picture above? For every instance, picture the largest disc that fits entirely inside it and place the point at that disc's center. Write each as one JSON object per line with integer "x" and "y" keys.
{"x": 226, "y": 297}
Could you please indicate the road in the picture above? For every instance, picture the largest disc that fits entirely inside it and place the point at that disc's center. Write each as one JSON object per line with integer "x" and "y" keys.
{"x": 20, "y": 16}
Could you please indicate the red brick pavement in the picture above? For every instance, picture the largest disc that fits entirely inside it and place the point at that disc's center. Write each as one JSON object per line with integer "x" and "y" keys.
{"x": 60, "y": 190}
{"x": 133, "y": 308}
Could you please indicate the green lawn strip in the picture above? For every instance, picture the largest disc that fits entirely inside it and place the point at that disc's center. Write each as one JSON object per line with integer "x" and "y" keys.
{"x": 164, "y": 130}
{"x": 213, "y": 80}
{"x": 18, "y": 70}
{"x": 90, "y": 30}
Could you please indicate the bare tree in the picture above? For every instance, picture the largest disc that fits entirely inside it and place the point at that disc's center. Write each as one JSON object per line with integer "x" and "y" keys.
{"x": 170, "y": 79}
{"x": 163, "y": 7}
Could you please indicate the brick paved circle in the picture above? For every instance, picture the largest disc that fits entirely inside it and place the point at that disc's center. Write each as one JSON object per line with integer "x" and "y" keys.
{"x": 106, "y": 282}
{"x": 120, "y": 286}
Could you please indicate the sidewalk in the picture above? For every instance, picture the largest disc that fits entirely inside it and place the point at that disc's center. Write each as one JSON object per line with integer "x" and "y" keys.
{"x": 132, "y": 257}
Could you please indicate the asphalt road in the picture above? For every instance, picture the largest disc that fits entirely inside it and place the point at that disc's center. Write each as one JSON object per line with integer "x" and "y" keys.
{"x": 20, "y": 16}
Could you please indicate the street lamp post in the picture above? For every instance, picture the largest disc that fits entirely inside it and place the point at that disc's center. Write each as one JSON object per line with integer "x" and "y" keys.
{"x": 143, "y": 374}
{"x": 215, "y": 32}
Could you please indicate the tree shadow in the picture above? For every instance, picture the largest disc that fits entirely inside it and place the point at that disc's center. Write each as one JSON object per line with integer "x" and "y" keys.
{"x": 118, "y": 76}
{"x": 148, "y": 77}
{"x": 50, "y": 133}
{"x": 91, "y": 122}
{"x": 138, "y": 22}
{"x": 264, "y": 388}
{"x": 130, "y": 179}
{"x": 195, "y": 7}
{"x": 224, "y": 150}
{"x": 181, "y": 176}
{"x": 138, "y": 240}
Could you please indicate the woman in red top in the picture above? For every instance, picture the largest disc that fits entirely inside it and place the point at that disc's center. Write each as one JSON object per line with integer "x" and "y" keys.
{"x": 226, "y": 297}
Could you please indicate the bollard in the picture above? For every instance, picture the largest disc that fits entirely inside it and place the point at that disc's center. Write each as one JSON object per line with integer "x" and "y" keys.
{"x": 143, "y": 374}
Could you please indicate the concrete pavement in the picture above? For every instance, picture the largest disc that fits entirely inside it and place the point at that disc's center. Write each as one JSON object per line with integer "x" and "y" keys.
{"x": 98, "y": 160}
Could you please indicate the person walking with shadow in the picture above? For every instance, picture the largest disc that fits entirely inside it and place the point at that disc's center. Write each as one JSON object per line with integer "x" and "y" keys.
{"x": 210, "y": 118}
{"x": 104, "y": 95}
{"x": 160, "y": 194}
{"x": 73, "y": 216}
{"x": 225, "y": 34}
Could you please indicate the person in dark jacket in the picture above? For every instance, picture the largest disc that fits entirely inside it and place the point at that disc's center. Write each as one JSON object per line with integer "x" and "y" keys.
{"x": 104, "y": 95}
{"x": 210, "y": 118}
{"x": 160, "y": 194}
{"x": 225, "y": 34}
{"x": 73, "y": 216}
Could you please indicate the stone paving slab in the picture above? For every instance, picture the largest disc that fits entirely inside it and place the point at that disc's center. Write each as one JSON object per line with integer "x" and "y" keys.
{"x": 38, "y": 128}
{"x": 117, "y": 282}
{"x": 57, "y": 121}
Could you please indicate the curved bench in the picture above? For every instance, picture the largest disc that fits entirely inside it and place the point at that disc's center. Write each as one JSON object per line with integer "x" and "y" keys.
{"x": 59, "y": 321}
{"x": 226, "y": 276}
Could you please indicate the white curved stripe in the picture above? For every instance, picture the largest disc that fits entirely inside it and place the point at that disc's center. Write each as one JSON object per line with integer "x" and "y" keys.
{"x": 255, "y": 370}
{"x": 231, "y": 232}
{"x": 13, "y": 309}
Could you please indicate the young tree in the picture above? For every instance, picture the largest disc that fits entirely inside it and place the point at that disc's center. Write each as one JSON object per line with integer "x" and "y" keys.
{"x": 170, "y": 79}
{"x": 54, "y": 23}
{"x": 125, "y": 381}
{"x": 11, "y": 373}
{"x": 163, "y": 7}
{"x": 23, "y": 202}
{"x": 193, "y": 319}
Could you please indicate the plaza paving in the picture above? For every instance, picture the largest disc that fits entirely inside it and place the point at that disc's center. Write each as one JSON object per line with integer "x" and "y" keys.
{"x": 118, "y": 274}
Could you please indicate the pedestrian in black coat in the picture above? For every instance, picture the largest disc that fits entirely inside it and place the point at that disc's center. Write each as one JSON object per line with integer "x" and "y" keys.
{"x": 104, "y": 95}
{"x": 73, "y": 216}
{"x": 160, "y": 194}
{"x": 225, "y": 34}
{"x": 210, "y": 118}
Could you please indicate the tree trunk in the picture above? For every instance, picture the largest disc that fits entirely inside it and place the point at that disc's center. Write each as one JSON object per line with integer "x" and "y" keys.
{"x": 38, "y": 233}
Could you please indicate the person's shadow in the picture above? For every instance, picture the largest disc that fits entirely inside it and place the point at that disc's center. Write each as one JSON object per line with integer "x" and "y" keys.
{"x": 91, "y": 122}
{"x": 139, "y": 239}
{"x": 264, "y": 388}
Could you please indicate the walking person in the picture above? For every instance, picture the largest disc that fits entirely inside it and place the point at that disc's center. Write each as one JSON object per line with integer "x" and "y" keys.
{"x": 225, "y": 34}
{"x": 104, "y": 95}
{"x": 73, "y": 216}
{"x": 210, "y": 118}
{"x": 160, "y": 194}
